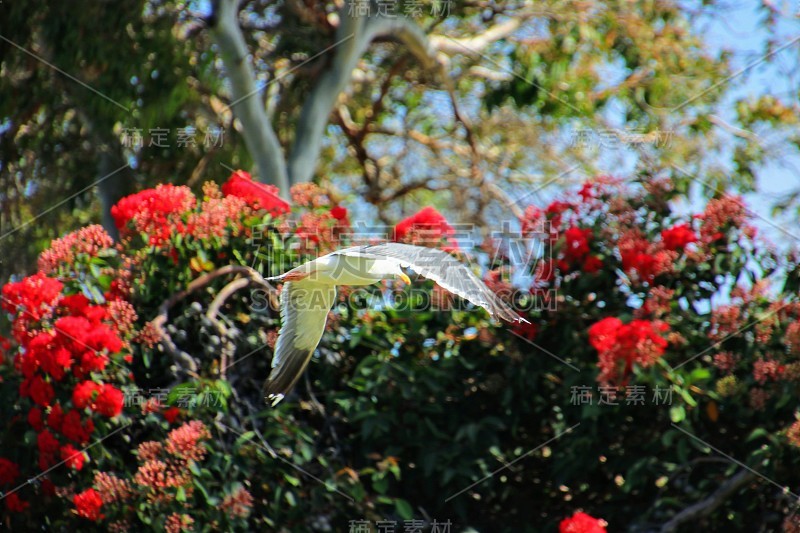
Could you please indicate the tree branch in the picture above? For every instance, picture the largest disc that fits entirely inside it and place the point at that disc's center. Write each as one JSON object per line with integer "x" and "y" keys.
{"x": 707, "y": 506}
{"x": 183, "y": 360}
{"x": 473, "y": 46}
{"x": 260, "y": 138}
{"x": 353, "y": 37}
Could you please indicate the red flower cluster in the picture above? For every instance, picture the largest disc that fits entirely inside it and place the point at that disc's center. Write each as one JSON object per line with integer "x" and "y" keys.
{"x": 257, "y": 195}
{"x": 323, "y": 230}
{"x": 677, "y": 237}
{"x": 605, "y": 221}
{"x": 582, "y": 523}
{"x": 620, "y": 346}
{"x": 72, "y": 457}
{"x": 426, "y": 227}
{"x": 176, "y": 523}
{"x": 216, "y": 213}
{"x": 645, "y": 259}
{"x": 159, "y": 470}
{"x": 88, "y": 504}
{"x": 576, "y": 251}
{"x": 322, "y": 226}
{"x": 171, "y": 414}
{"x": 720, "y": 215}
{"x": 9, "y": 471}
{"x": 156, "y": 212}
{"x": 33, "y": 297}
{"x": 89, "y": 241}
{"x": 15, "y": 504}
{"x": 62, "y": 339}
{"x": 111, "y": 488}
{"x": 238, "y": 504}
{"x": 186, "y": 441}
{"x": 767, "y": 370}
{"x": 104, "y": 399}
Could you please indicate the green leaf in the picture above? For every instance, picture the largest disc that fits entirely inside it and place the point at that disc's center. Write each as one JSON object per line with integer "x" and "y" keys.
{"x": 404, "y": 509}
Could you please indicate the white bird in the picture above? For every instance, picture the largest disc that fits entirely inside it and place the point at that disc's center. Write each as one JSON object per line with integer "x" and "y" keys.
{"x": 310, "y": 289}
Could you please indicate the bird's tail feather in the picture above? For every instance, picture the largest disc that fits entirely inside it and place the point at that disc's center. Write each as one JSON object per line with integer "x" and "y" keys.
{"x": 284, "y": 376}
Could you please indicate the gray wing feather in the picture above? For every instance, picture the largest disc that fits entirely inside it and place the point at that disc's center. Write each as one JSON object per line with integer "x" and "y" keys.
{"x": 445, "y": 270}
{"x": 304, "y": 312}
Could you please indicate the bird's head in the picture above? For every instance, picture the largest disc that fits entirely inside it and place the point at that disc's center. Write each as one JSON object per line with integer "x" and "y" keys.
{"x": 398, "y": 273}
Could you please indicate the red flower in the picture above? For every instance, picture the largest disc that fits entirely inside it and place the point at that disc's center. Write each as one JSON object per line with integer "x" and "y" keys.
{"x": 72, "y": 457}
{"x": 603, "y": 334}
{"x": 91, "y": 362}
{"x": 84, "y": 394}
{"x": 576, "y": 244}
{"x": 426, "y": 226}
{"x": 545, "y": 270}
{"x": 15, "y": 504}
{"x": 339, "y": 213}
{"x": 103, "y": 338}
{"x": 721, "y": 214}
{"x": 35, "y": 419}
{"x": 9, "y": 471}
{"x": 587, "y": 191}
{"x": 72, "y": 428}
{"x": 677, "y": 237}
{"x": 186, "y": 441}
{"x": 88, "y": 504}
{"x": 639, "y": 255}
{"x": 258, "y": 195}
{"x": 620, "y": 346}
{"x": 555, "y": 210}
{"x": 35, "y": 294}
{"x": 75, "y": 303}
{"x": 215, "y": 217}
{"x": 55, "y": 418}
{"x": 171, "y": 414}
{"x": 582, "y": 523}
{"x": 85, "y": 241}
{"x": 109, "y": 402}
{"x": 42, "y": 352}
{"x": 156, "y": 212}
{"x": 238, "y": 503}
{"x": 46, "y": 442}
{"x": 72, "y": 331}
{"x": 40, "y": 391}
{"x": 592, "y": 264}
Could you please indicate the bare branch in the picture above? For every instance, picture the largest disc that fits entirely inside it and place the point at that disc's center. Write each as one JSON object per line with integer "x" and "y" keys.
{"x": 707, "y": 506}
{"x": 185, "y": 361}
{"x": 473, "y": 46}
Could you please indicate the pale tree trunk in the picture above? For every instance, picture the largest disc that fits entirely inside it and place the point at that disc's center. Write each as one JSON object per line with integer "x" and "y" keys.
{"x": 259, "y": 137}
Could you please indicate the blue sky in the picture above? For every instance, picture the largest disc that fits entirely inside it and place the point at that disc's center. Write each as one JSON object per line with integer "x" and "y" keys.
{"x": 743, "y": 34}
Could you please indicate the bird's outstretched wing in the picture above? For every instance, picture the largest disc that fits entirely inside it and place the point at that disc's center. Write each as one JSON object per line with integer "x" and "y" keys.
{"x": 304, "y": 311}
{"x": 445, "y": 270}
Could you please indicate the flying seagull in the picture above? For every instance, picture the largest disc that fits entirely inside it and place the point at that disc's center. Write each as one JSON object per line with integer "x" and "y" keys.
{"x": 310, "y": 289}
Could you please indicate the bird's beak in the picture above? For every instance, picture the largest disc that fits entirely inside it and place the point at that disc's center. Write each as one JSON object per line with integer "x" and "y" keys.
{"x": 404, "y": 277}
